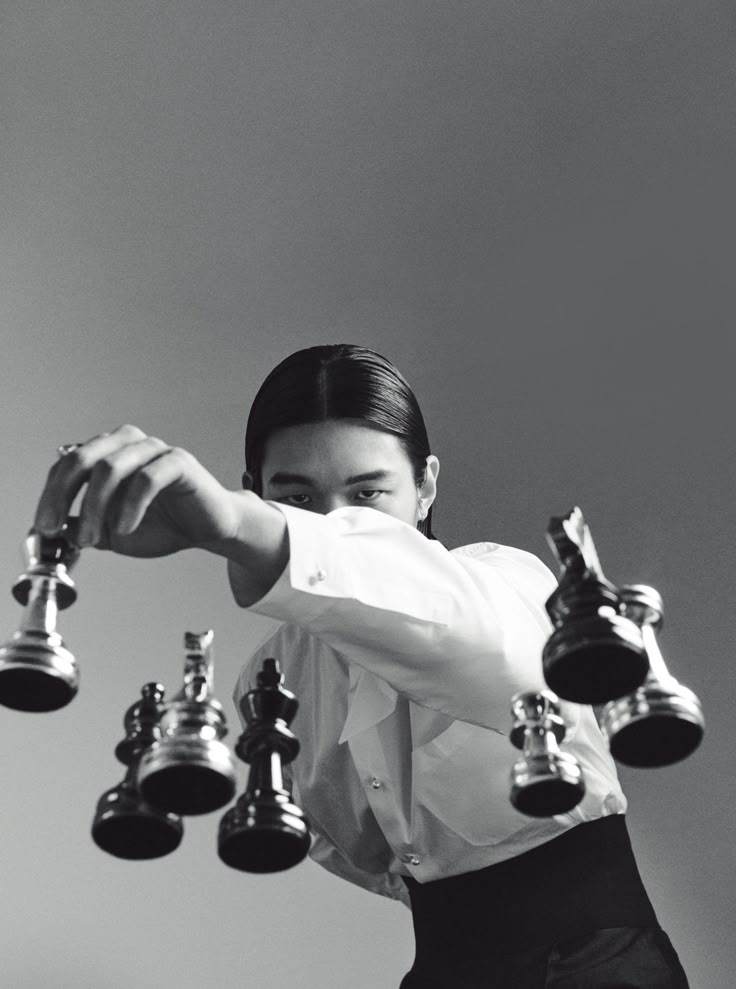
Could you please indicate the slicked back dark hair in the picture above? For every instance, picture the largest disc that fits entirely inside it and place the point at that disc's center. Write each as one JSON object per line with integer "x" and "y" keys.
{"x": 338, "y": 381}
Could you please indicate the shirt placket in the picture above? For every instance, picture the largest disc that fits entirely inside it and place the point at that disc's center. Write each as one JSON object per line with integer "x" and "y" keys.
{"x": 381, "y": 790}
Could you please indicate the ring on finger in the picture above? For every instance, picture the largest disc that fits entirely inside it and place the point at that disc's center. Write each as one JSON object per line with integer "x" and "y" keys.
{"x": 66, "y": 448}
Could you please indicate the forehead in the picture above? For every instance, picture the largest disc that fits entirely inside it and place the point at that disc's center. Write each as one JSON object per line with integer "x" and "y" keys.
{"x": 333, "y": 448}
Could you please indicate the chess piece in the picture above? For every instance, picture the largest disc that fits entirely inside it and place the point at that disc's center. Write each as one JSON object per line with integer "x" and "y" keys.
{"x": 125, "y": 825}
{"x": 661, "y": 722}
{"x": 545, "y": 781}
{"x": 595, "y": 653}
{"x": 37, "y": 671}
{"x": 189, "y": 770}
{"x": 265, "y": 831}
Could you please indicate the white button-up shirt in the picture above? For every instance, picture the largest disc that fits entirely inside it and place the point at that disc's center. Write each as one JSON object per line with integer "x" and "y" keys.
{"x": 404, "y": 656}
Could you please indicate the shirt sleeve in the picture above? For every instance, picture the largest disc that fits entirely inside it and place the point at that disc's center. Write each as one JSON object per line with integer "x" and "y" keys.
{"x": 454, "y": 632}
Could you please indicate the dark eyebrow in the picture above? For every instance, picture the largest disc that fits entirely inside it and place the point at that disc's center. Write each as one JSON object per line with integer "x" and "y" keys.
{"x": 285, "y": 477}
{"x": 372, "y": 475}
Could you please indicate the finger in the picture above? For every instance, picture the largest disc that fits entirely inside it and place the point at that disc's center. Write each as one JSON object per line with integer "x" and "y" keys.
{"x": 108, "y": 485}
{"x": 148, "y": 482}
{"x": 70, "y": 472}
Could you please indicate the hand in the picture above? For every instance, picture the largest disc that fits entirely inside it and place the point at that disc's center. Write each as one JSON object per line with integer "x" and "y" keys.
{"x": 143, "y": 497}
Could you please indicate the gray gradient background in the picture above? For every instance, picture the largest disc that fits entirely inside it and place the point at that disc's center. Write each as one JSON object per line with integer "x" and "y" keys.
{"x": 530, "y": 208}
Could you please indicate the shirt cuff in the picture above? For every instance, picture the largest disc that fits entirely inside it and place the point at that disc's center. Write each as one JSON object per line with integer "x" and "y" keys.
{"x": 331, "y": 563}
{"x": 312, "y": 579}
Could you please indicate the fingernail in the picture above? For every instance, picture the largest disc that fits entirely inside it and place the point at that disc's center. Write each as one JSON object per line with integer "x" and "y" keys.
{"x": 46, "y": 524}
{"x": 124, "y": 524}
{"x": 85, "y": 535}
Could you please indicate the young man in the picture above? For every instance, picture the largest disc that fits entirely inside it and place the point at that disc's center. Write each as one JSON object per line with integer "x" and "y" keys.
{"x": 404, "y": 656}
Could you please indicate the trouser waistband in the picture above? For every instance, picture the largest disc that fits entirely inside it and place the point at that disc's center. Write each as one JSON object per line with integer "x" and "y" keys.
{"x": 583, "y": 880}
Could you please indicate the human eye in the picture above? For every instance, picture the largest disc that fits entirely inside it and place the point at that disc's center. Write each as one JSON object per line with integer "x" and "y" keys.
{"x": 295, "y": 499}
{"x": 368, "y": 494}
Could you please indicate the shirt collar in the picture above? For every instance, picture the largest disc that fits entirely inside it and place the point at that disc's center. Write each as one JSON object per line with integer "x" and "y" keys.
{"x": 370, "y": 700}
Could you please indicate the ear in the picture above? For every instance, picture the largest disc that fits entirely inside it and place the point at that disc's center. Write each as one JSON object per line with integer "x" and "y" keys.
{"x": 428, "y": 490}
{"x": 247, "y": 480}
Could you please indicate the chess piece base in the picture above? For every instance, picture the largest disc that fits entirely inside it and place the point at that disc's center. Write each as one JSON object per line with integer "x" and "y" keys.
{"x": 137, "y": 832}
{"x": 37, "y": 673}
{"x": 660, "y": 740}
{"x": 188, "y": 789}
{"x": 187, "y": 776}
{"x": 596, "y": 660}
{"x": 264, "y": 837}
{"x": 659, "y": 724}
{"x": 546, "y": 785}
{"x": 545, "y": 798}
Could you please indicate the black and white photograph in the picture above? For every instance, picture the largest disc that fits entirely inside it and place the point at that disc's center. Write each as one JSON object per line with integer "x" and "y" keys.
{"x": 369, "y": 504}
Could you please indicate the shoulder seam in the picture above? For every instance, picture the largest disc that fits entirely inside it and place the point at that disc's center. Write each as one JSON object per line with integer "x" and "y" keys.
{"x": 476, "y": 549}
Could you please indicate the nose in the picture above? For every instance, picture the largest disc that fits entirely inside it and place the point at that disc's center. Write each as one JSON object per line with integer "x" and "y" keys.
{"x": 333, "y": 501}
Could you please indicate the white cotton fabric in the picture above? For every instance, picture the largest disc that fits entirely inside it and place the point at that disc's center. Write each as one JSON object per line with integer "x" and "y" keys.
{"x": 404, "y": 657}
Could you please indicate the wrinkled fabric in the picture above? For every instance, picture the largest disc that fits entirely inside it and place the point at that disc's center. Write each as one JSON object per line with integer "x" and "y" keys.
{"x": 404, "y": 657}
{"x": 612, "y": 958}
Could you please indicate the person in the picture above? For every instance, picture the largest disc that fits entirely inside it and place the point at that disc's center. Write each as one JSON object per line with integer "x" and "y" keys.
{"x": 404, "y": 655}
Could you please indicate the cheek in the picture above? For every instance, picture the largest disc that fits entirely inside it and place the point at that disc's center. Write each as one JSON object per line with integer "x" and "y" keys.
{"x": 403, "y": 506}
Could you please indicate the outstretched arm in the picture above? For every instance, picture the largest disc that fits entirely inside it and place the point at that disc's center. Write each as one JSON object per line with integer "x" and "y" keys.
{"x": 146, "y": 498}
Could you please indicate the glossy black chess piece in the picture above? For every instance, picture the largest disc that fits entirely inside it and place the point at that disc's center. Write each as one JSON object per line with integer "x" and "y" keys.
{"x": 265, "y": 831}
{"x": 595, "y": 653}
{"x": 125, "y": 825}
{"x": 661, "y": 722}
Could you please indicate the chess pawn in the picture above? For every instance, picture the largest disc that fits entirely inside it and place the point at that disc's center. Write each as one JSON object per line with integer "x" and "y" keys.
{"x": 595, "y": 653}
{"x": 545, "y": 781}
{"x": 189, "y": 770}
{"x": 37, "y": 671}
{"x": 661, "y": 722}
{"x": 265, "y": 831}
{"x": 125, "y": 825}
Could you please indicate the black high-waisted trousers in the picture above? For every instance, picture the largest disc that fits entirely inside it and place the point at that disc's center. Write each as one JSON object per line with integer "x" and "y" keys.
{"x": 570, "y": 914}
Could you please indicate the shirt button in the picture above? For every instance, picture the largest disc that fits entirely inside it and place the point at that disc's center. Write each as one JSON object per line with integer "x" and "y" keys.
{"x": 319, "y": 575}
{"x": 375, "y": 783}
{"x": 411, "y": 859}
